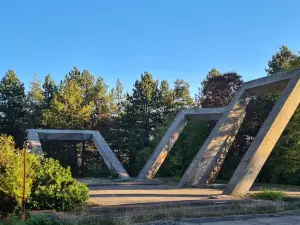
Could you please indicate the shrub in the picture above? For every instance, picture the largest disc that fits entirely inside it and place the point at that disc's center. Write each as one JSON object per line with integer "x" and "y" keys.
{"x": 33, "y": 220}
{"x": 54, "y": 188}
{"x": 11, "y": 175}
{"x": 272, "y": 195}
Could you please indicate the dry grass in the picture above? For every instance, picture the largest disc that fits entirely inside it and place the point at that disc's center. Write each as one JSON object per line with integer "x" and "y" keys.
{"x": 169, "y": 213}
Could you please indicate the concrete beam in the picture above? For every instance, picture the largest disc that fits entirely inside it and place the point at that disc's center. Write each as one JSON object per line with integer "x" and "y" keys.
{"x": 112, "y": 162}
{"x": 165, "y": 145}
{"x": 68, "y": 136}
{"x": 204, "y": 113}
{"x": 34, "y": 141}
{"x": 257, "y": 154}
{"x": 108, "y": 155}
{"x": 268, "y": 84}
{"x": 218, "y": 142}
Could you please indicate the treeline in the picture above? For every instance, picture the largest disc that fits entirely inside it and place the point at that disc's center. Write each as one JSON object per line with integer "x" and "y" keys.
{"x": 133, "y": 123}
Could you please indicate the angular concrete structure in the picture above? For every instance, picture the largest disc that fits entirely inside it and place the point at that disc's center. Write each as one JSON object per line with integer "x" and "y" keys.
{"x": 268, "y": 135}
{"x": 207, "y": 163}
{"x": 112, "y": 162}
{"x": 212, "y": 154}
{"x": 172, "y": 134}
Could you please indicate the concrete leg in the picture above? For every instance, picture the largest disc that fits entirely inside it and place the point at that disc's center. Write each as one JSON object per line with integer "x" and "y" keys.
{"x": 219, "y": 141}
{"x": 257, "y": 154}
{"x": 34, "y": 142}
{"x": 108, "y": 155}
{"x": 160, "y": 153}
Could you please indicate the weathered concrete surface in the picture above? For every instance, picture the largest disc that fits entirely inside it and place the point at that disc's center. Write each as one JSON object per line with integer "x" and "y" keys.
{"x": 108, "y": 155}
{"x": 204, "y": 113}
{"x": 216, "y": 146}
{"x": 260, "y": 149}
{"x": 35, "y": 135}
{"x": 268, "y": 84}
{"x": 165, "y": 145}
{"x": 124, "y": 194}
{"x": 34, "y": 141}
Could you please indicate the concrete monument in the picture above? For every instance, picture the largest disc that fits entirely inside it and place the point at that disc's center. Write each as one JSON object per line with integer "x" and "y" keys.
{"x": 110, "y": 159}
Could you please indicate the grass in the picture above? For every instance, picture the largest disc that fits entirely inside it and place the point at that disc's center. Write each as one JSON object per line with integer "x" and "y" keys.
{"x": 142, "y": 215}
{"x": 273, "y": 195}
{"x": 169, "y": 213}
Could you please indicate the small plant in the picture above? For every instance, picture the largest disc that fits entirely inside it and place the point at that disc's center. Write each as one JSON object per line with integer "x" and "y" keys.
{"x": 273, "y": 195}
{"x": 113, "y": 174}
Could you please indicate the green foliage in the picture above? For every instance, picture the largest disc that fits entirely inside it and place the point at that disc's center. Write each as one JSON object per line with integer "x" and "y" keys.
{"x": 218, "y": 89}
{"x": 182, "y": 97}
{"x": 185, "y": 149}
{"x": 68, "y": 108}
{"x": 33, "y": 220}
{"x": 54, "y": 188}
{"x": 281, "y": 60}
{"x": 273, "y": 195}
{"x": 12, "y": 107}
{"x": 11, "y": 174}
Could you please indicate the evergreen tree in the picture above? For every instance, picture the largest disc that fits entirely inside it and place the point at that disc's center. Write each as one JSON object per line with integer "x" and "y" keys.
{"x": 280, "y": 60}
{"x": 167, "y": 96}
{"x": 36, "y": 103}
{"x": 49, "y": 89}
{"x": 68, "y": 109}
{"x": 182, "y": 98}
{"x": 12, "y": 107}
{"x": 143, "y": 112}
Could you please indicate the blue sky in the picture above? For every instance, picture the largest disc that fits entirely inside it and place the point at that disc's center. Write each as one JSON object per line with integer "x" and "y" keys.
{"x": 121, "y": 39}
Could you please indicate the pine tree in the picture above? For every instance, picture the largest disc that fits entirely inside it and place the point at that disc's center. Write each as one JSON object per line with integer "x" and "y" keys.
{"x": 182, "y": 98}
{"x": 68, "y": 109}
{"x": 12, "y": 107}
{"x": 167, "y": 96}
{"x": 49, "y": 89}
{"x": 36, "y": 103}
{"x": 280, "y": 60}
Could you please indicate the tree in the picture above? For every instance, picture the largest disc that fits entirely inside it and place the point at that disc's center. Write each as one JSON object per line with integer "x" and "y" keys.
{"x": 68, "y": 109}
{"x": 119, "y": 95}
{"x": 50, "y": 89}
{"x": 12, "y": 107}
{"x": 143, "y": 111}
{"x": 182, "y": 98}
{"x": 280, "y": 60}
{"x": 218, "y": 90}
{"x": 167, "y": 96}
{"x": 36, "y": 103}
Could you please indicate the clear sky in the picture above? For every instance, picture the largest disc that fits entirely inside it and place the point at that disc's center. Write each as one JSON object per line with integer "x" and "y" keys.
{"x": 121, "y": 39}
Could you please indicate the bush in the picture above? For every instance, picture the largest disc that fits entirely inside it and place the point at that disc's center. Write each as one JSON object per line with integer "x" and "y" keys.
{"x": 11, "y": 175}
{"x": 272, "y": 195}
{"x": 33, "y": 220}
{"x": 48, "y": 184}
{"x": 54, "y": 188}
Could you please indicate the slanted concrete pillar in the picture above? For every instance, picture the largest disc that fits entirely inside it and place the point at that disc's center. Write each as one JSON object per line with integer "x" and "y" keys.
{"x": 108, "y": 155}
{"x": 161, "y": 151}
{"x": 216, "y": 146}
{"x": 34, "y": 141}
{"x": 257, "y": 154}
